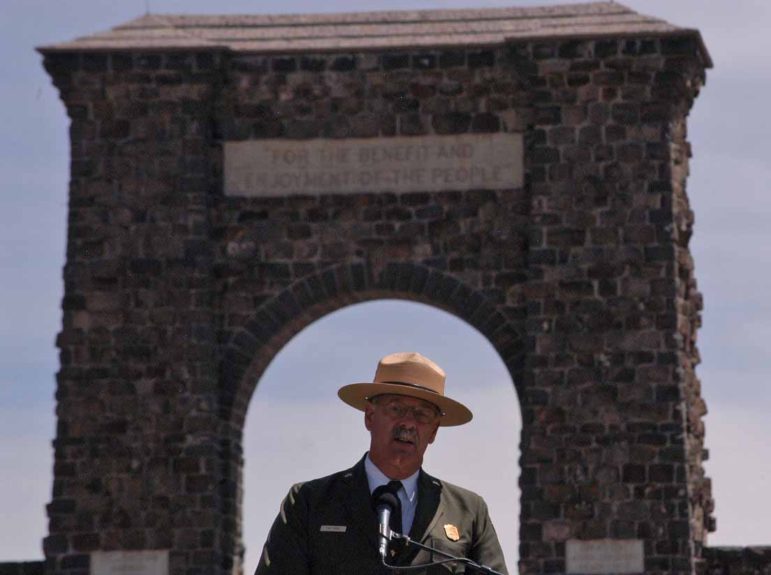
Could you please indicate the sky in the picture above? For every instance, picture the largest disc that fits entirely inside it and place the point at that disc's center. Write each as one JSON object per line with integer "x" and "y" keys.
{"x": 295, "y": 415}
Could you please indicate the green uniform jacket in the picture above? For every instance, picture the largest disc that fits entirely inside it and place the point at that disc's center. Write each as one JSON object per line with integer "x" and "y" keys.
{"x": 327, "y": 527}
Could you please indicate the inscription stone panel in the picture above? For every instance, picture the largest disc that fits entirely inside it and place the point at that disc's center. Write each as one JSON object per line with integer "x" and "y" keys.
{"x": 130, "y": 563}
{"x": 401, "y": 164}
{"x": 603, "y": 556}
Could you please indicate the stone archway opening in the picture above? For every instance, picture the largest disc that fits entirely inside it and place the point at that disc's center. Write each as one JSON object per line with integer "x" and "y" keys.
{"x": 296, "y": 428}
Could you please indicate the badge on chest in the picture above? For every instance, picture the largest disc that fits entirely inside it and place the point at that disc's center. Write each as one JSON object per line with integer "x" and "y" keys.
{"x": 452, "y": 532}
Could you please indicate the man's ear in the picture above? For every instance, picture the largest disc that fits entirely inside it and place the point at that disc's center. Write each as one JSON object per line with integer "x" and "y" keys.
{"x": 368, "y": 412}
{"x": 433, "y": 434}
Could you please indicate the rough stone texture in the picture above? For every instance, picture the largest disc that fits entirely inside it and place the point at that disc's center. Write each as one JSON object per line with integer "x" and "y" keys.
{"x": 22, "y": 568}
{"x": 177, "y": 297}
{"x": 138, "y": 459}
{"x": 689, "y": 304}
{"x": 605, "y": 306}
{"x": 738, "y": 560}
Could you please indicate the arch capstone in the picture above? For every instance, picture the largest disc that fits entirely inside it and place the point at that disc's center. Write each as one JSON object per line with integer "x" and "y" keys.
{"x": 567, "y": 247}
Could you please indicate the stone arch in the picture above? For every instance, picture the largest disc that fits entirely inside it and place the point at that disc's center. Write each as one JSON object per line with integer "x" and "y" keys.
{"x": 274, "y": 323}
{"x": 587, "y": 292}
{"x": 251, "y": 349}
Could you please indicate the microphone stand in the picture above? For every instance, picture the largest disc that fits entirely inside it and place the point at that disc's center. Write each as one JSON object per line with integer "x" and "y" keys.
{"x": 449, "y": 558}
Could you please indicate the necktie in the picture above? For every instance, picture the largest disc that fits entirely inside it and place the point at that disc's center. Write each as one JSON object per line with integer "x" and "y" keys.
{"x": 395, "y": 522}
{"x": 396, "y": 517}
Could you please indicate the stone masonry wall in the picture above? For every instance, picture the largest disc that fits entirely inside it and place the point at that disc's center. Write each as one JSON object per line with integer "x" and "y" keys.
{"x": 689, "y": 305}
{"x": 177, "y": 297}
{"x": 475, "y": 239}
{"x": 22, "y": 568}
{"x": 738, "y": 560}
{"x": 136, "y": 454}
{"x": 608, "y": 457}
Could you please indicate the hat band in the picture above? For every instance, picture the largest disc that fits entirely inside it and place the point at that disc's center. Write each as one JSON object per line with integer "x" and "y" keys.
{"x": 416, "y": 386}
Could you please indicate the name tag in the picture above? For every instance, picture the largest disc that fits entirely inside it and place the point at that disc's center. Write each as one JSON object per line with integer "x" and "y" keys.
{"x": 333, "y": 528}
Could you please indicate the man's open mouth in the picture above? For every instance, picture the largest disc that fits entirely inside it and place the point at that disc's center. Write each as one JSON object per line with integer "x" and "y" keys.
{"x": 405, "y": 436}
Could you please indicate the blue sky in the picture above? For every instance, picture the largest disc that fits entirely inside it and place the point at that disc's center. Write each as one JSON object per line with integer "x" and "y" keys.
{"x": 728, "y": 187}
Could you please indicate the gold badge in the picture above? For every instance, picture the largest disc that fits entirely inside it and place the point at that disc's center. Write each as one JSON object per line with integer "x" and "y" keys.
{"x": 452, "y": 532}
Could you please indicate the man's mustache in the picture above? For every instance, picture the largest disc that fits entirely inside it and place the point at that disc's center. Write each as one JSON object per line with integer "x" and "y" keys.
{"x": 403, "y": 433}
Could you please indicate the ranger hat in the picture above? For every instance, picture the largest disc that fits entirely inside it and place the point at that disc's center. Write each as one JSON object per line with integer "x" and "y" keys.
{"x": 412, "y": 375}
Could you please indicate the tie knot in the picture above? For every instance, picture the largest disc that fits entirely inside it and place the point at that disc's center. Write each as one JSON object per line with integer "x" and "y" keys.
{"x": 394, "y": 486}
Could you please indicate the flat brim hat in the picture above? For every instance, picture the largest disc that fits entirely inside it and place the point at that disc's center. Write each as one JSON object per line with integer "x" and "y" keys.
{"x": 412, "y": 375}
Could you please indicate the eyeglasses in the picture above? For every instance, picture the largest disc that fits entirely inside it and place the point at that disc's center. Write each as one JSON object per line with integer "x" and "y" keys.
{"x": 396, "y": 410}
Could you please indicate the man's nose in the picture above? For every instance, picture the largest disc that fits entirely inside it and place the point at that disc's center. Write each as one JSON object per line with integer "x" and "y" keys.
{"x": 409, "y": 415}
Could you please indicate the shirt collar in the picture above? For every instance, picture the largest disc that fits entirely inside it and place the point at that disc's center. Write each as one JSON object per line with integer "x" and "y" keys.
{"x": 376, "y": 478}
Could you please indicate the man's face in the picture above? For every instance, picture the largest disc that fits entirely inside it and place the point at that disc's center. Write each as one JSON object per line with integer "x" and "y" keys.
{"x": 400, "y": 430}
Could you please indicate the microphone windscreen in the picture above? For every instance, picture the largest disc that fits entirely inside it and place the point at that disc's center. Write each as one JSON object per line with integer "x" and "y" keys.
{"x": 384, "y": 496}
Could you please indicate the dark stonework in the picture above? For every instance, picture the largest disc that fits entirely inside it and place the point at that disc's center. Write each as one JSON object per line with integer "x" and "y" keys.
{"x": 738, "y": 560}
{"x": 22, "y": 568}
{"x": 177, "y": 297}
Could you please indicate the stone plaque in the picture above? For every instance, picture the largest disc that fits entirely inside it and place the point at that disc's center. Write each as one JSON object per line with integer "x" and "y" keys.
{"x": 130, "y": 563}
{"x": 404, "y": 164}
{"x": 605, "y": 556}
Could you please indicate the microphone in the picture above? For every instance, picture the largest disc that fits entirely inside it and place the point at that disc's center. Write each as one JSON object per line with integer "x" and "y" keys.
{"x": 385, "y": 502}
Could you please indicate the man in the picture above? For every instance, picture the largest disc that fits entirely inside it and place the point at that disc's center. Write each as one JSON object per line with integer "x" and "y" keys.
{"x": 328, "y": 526}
